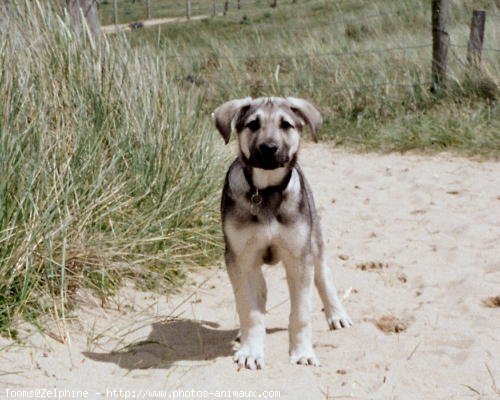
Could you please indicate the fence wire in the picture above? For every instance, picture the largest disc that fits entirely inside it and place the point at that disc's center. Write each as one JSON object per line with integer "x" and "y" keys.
{"x": 338, "y": 54}
{"x": 335, "y": 89}
{"x": 352, "y": 53}
{"x": 483, "y": 48}
{"x": 208, "y": 9}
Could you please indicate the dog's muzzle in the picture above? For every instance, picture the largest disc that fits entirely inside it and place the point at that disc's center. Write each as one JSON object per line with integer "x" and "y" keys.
{"x": 268, "y": 155}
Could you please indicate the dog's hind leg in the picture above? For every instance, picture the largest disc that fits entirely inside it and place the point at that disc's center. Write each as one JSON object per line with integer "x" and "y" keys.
{"x": 250, "y": 293}
{"x": 336, "y": 315}
{"x": 299, "y": 274}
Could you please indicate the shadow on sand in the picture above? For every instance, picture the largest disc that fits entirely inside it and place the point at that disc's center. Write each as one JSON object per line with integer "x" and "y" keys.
{"x": 172, "y": 341}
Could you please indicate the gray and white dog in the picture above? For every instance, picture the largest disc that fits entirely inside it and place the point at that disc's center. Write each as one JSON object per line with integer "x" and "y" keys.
{"x": 268, "y": 215}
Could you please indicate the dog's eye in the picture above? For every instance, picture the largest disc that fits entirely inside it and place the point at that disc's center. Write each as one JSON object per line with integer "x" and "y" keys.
{"x": 254, "y": 125}
{"x": 285, "y": 125}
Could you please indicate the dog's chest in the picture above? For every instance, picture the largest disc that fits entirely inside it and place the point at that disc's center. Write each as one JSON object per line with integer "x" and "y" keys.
{"x": 272, "y": 224}
{"x": 258, "y": 237}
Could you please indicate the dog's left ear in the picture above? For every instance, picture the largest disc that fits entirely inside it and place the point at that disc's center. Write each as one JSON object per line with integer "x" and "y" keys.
{"x": 225, "y": 116}
{"x": 308, "y": 113}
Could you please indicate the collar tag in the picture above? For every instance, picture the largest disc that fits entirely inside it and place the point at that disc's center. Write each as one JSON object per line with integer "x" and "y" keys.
{"x": 255, "y": 202}
{"x": 256, "y": 198}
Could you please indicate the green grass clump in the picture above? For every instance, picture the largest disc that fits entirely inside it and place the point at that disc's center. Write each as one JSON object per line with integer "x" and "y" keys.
{"x": 108, "y": 168}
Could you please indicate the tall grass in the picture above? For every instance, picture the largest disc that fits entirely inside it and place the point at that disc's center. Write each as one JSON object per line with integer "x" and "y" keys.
{"x": 108, "y": 169}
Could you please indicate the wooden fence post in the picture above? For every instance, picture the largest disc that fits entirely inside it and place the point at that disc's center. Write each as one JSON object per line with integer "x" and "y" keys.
{"x": 440, "y": 41}
{"x": 239, "y": 4}
{"x": 476, "y": 38}
{"x": 226, "y": 7}
{"x": 188, "y": 9}
{"x": 87, "y": 9}
{"x": 148, "y": 6}
{"x": 115, "y": 11}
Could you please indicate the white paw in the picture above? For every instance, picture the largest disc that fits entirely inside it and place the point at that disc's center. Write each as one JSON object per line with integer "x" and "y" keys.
{"x": 306, "y": 357}
{"x": 339, "y": 319}
{"x": 251, "y": 357}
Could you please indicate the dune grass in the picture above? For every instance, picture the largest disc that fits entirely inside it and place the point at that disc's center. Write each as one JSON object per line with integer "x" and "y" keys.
{"x": 110, "y": 168}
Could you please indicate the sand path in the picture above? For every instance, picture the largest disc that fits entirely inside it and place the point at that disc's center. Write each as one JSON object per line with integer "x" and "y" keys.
{"x": 151, "y": 22}
{"x": 411, "y": 237}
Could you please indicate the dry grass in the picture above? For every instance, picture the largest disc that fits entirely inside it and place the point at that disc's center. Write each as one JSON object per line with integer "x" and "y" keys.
{"x": 109, "y": 170}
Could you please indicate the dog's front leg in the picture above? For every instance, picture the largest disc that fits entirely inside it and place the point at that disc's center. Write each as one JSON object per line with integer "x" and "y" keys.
{"x": 300, "y": 276}
{"x": 250, "y": 292}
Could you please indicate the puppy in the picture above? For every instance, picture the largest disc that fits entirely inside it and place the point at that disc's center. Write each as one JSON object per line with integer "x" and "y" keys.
{"x": 268, "y": 215}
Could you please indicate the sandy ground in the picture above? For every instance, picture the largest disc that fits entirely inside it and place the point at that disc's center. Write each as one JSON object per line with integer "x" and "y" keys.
{"x": 151, "y": 22}
{"x": 414, "y": 243}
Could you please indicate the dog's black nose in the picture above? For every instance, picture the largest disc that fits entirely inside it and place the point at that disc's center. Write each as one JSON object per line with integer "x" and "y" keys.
{"x": 268, "y": 149}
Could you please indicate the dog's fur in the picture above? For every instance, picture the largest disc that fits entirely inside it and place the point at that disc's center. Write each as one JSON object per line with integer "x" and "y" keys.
{"x": 268, "y": 215}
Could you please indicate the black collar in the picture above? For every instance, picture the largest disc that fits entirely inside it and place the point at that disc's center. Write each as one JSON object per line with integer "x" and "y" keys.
{"x": 247, "y": 171}
{"x": 255, "y": 195}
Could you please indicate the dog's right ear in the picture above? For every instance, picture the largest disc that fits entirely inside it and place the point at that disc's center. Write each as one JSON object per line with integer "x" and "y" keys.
{"x": 308, "y": 113}
{"x": 225, "y": 116}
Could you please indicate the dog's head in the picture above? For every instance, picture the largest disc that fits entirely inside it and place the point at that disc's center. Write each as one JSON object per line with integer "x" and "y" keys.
{"x": 268, "y": 127}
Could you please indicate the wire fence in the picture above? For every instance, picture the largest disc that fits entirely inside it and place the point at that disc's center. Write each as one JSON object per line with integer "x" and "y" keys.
{"x": 309, "y": 55}
{"x": 340, "y": 88}
{"x": 398, "y": 12}
{"x": 248, "y": 6}
{"x": 483, "y": 48}
{"x": 356, "y": 20}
